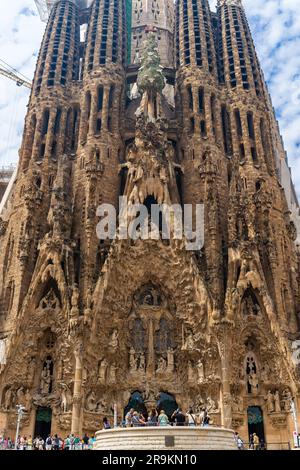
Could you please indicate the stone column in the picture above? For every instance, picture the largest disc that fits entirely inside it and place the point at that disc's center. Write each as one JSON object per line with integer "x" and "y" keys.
{"x": 224, "y": 343}
{"x": 151, "y": 355}
{"x": 77, "y": 394}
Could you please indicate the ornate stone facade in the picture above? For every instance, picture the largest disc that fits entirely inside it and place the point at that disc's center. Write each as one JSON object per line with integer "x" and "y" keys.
{"x": 86, "y": 323}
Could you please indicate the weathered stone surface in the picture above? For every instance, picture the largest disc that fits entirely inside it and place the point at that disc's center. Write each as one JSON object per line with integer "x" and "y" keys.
{"x": 84, "y": 323}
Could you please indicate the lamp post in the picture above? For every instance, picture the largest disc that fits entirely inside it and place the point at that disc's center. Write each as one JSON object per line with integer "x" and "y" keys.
{"x": 20, "y": 411}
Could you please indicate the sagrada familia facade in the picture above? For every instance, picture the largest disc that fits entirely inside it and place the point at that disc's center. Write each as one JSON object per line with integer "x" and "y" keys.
{"x": 161, "y": 103}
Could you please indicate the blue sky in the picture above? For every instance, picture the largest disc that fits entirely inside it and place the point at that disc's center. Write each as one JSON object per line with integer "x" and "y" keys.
{"x": 276, "y": 29}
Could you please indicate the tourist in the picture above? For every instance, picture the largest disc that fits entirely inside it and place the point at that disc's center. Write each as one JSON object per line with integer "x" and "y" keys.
{"x": 163, "y": 419}
{"x": 106, "y": 423}
{"x": 206, "y": 417}
{"x": 41, "y": 443}
{"x": 72, "y": 438}
{"x": 85, "y": 440}
{"x": 91, "y": 442}
{"x": 77, "y": 443}
{"x": 239, "y": 441}
{"x": 255, "y": 441}
{"x": 29, "y": 443}
{"x": 67, "y": 443}
{"x": 152, "y": 418}
{"x": 49, "y": 443}
{"x": 191, "y": 417}
{"x": 179, "y": 417}
{"x": 56, "y": 442}
{"x": 137, "y": 419}
{"x": 128, "y": 418}
{"x": 251, "y": 442}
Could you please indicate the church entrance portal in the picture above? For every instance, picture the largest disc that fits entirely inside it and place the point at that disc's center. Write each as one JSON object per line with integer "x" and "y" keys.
{"x": 256, "y": 422}
{"x": 43, "y": 422}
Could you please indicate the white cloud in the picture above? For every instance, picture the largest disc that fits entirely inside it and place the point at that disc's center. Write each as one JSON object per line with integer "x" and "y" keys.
{"x": 276, "y": 29}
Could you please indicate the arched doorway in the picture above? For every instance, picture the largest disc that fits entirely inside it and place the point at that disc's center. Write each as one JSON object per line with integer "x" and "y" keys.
{"x": 167, "y": 403}
{"x": 256, "y": 422}
{"x": 43, "y": 422}
{"x": 136, "y": 402}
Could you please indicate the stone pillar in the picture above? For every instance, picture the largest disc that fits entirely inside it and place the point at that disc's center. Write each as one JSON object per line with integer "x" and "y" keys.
{"x": 77, "y": 394}
{"x": 224, "y": 343}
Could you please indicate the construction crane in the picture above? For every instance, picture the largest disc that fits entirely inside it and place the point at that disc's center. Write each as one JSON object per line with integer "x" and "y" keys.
{"x": 11, "y": 73}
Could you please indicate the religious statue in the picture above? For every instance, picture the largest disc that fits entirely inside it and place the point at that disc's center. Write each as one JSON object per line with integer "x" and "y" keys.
{"x": 162, "y": 365}
{"x": 170, "y": 354}
{"x": 237, "y": 404}
{"x": 7, "y": 399}
{"x": 102, "y": 370}
{"x": 114, "y": 340}
{"x": 20, "y": 396}
{"x": 264, "y": 373}
{"x": 142, "y": 362}
{"x": 287, "y": 399}
{"x": 211, "y": 405}
{"x": 74, "y": 314}
{"x": 66, "y": 398}
{"x": 200, "y": 370}
{"x": 188, "y": 343}
{"x": 46, "y": 379}
{"x": 253, "y": 382}
{"x": 102, "y": 406}
{"x": 270, "y": 401}
{"x": 133, "y": 360}
{"x": 88, "y": 307}
{"x": 277, "y": 402}
{"x": 90, "y": 404}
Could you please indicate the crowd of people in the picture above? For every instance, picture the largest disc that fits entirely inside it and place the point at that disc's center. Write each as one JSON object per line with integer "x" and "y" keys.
{"x": 55, "y": 442}
{"x": 133, "y": 418}
{"x": 178, "y": 418}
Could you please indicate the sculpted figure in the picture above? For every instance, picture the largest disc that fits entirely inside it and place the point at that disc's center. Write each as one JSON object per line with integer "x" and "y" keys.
{"x": 102, "y": 370}
{"x": 142, "y": 362}
{"x": 90, "y": 403}
{"x": 277, "y": 402}
{"x": 287, "y": 399}
{"x": 270, "y": 401}
{"x": 133, "y": 360}
{"x": 45, "y": 380}
{"x": 162, "y": 365}
{"x": 7, "y": 399}
{"x": 253, "y": 381}
{"x": 200, "y": 369}
{"x": 114, "y": 340}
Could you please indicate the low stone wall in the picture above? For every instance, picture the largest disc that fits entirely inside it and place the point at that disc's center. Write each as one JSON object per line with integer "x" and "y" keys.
{"x": 165, "y": 438}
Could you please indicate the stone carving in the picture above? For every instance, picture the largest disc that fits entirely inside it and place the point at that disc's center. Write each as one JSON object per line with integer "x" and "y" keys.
{"x": 287, "y": 399}
{"x": 237, "y": 404}
{"x": 170, "y": 354}
{"x": 270, "y": 402}
{"x": 102, "y": 370}
{"x": 66, "y": 398}
{"x": 8, "y": 399}
{"x": 150, "y": 79}
{"x": 91, "y": 402}
{"x": 200, "y": 371}
{"x": 277, "y": 402}
{"x": 114, "y": 340}
{"x": 46, "y": 378}
{"x": 161, "y": 366}
{"x": 74, "y": 314}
